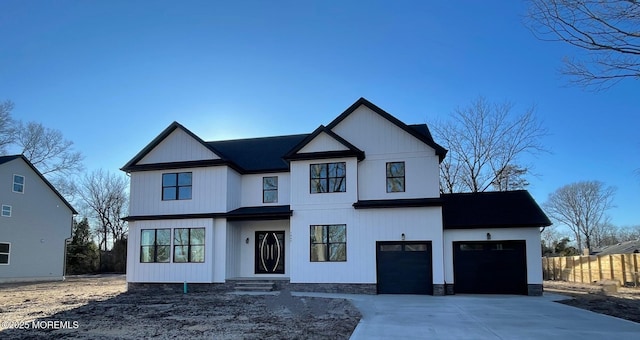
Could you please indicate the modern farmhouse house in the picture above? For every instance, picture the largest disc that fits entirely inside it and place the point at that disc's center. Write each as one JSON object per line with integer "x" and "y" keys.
{"x": 35, "y": 222}
{"x": 354, "y": 206}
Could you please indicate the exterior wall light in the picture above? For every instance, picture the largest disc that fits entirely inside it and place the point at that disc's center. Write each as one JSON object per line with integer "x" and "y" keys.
{"x": 403, "y": 237}
{"x": 246, "y": 241}
{"x": 488, "y": 236}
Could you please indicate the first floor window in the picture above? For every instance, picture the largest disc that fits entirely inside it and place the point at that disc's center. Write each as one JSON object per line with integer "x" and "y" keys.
{"x": 395, "y": 177}
{"x": 6, "y": 210}
{"x": 18, "y": 183}
{"x": 4, "y": 252}
{"x": 176, "y": 186}
{"x": 328, "y": 177}
{"x": 328, "y": 243}
{"x": 155, "y": 245}
{"x": 270, "y": 189}
{"x": 188, "y": 245}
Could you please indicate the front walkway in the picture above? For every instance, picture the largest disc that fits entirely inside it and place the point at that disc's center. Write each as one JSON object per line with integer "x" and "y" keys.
{"x": 479, "y": 317}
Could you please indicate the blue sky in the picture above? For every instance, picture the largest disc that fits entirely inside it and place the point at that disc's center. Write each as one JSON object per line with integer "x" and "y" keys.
{"x": 111, "y": 75}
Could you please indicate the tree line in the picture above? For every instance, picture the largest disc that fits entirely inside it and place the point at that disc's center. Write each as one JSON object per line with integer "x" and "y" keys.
{"x": 100, "y": 196}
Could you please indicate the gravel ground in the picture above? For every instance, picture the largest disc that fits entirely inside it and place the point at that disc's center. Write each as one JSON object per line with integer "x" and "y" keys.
{"x": 624, "y": 304}
{"x": 99, "y": 308}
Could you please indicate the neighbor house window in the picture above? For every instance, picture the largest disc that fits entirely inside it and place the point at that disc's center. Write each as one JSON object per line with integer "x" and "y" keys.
{"x": 328, "y": 177}
{"x": 270, "y": 189}
{"x": 188, "y": 245}
{"x": 328, "y": 243}
{"x": 395, "y": 177}
{"x": 6, "y": 210}
{"x": 4, "y": 253}
{"x": 155, "y": 245}
{"x": 18, "y": 183}
{"x": 176, "y": 186}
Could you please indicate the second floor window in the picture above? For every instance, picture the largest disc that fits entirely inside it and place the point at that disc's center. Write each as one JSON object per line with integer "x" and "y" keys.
{"x": 18, "y": 183}
{"x": 270, "y": 189}
{"x": 395, "y": 177}
{"x": 176, "y": 186}
{"x": 328, "y": 177}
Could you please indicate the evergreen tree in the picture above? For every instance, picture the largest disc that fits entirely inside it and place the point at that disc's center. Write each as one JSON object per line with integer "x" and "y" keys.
{"x": 82, "y": 252}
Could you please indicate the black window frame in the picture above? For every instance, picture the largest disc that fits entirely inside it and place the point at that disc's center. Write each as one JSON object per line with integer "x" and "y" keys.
{"x": 325, "y": 177}
{"x": 176, "y": 186}
{"x": 5, "y": 254}
{"x": 190, "y": 246}
{"x": 155, "y": 246}
{"x": 2, "y": 210}
{"x": 327, "y": 242}
{"x": 394, "y": 177}
{"x": 21, "y": 185}
{"x": 266, "y": 190}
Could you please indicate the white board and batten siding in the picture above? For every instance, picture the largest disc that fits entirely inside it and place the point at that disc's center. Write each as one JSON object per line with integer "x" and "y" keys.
{"x": 380, "y": 135}
{"x": 211, "y": 270}
{"x": 321, "y": 143}
{"x": 241, "y": 255}
{"x": 301, "y": 196}
{"x": 530, "y": 235}
{"x": 382, "y": 142}
{"x": 209, "y": 192}
{"x": 364, "y": 229}
{"x": 421, "y": 176}
{"x": 178, "y": 146}
{"x": 251, "y": 195}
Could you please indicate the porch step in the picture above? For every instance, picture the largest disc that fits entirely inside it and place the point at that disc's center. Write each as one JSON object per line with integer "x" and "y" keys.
{"x": 255, "y": 286}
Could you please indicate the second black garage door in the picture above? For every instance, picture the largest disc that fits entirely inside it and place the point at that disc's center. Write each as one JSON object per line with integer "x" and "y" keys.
{"x": 490, "y": 267}
{"x": 404, "y": 267}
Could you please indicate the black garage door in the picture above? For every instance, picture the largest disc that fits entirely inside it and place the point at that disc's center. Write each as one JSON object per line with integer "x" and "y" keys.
{"x": 404, "y": 267}
{"x": 490, "y": 267}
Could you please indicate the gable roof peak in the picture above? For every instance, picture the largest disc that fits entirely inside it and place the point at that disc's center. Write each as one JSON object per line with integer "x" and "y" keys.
{"x": 164, "y": 134}
{"x": 425, "y": 138}
{"x": 9, "y": 158}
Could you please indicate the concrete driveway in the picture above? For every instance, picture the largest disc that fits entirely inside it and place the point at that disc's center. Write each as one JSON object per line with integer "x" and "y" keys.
{"x": 480, "y": 317}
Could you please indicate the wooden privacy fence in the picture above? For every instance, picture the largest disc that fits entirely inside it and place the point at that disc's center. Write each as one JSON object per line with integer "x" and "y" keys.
{"x": 624, "y": 268}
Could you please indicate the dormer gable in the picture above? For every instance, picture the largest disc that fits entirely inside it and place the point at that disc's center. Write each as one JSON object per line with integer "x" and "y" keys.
{"x": 324, "y": 143}
{"x": 365, "y": 124}
{"x": 175, "y": 145}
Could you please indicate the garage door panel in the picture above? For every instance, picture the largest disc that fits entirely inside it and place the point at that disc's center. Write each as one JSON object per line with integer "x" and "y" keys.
{"x": 490, "y": 267}
{"x": 404, "y": 268}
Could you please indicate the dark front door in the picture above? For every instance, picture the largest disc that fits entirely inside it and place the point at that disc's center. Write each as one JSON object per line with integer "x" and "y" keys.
{"x": 269, "y": 252}
{"x": 404, "y": 267}
{"x": 490, "y": 267}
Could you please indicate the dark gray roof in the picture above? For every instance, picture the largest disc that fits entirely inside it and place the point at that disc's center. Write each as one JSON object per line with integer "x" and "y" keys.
{"x": 5, "y": 159}
{"x": 268, "y": 154}
{"x": 499, "y": 209}
{"x": 255, "y": 155}
{"x": 627, "y": 247}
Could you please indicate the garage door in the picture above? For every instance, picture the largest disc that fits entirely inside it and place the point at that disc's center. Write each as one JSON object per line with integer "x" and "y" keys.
{"x": 404, "y": 267}
{"x": 490, "y": 267}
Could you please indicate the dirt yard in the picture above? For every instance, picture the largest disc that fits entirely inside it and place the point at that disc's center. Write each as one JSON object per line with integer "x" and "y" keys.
{"x": 624, "y": 304}
{"x": 99, "y": 308}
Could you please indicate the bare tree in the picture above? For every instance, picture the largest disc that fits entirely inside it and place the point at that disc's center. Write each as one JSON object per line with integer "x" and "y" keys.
{"x": 609, "y": 30}
{"x": 581, "y": 206}
{"x": 485, "y": 142}
{"x": 105, "y": 194}
{"x": 6, "y": 125}
{"x": 47, "y": 149}
{"x": 511, "y": 177}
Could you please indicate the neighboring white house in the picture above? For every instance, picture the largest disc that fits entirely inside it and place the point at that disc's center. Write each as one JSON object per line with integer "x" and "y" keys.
{"x": 354, "y": 206}
{"x": 35, "y": 221}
